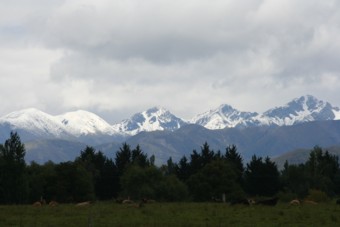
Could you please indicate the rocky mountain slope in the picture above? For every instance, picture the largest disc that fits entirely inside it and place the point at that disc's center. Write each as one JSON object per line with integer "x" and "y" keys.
{"x": 304, "y": 109}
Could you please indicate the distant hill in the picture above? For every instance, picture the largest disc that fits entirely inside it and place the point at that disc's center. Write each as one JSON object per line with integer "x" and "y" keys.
{"x": 262, "y": 141}
{"x": 52, "y": 150}
{"x": 299, "y": 156}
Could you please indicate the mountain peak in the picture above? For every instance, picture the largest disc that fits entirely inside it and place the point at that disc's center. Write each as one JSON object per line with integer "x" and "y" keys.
{"x": 308, "y": 101}
{"x": 24, "y": 113}
{"x": 155, "y": 118}
{"x": 82, "y": 122}
{"x": 156, "y": 110}
{"x": 34, "y": 120}
{"x": 222, "y": 117}
{"x": 303, "y": 109}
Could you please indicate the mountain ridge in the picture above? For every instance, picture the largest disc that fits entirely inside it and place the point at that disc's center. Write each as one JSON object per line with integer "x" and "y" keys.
{"x": 303, "y": 109}
{"x": 261, "y": 141}
{"x": 84, "y": 126}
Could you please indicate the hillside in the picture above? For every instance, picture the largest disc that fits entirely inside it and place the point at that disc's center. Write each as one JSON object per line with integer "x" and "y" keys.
{"x": 299, "y": 156}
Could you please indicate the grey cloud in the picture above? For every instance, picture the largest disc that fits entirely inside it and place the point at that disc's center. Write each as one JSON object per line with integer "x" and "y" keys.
{"x": 189, "y": 56}
{"x": 154, "y": 31}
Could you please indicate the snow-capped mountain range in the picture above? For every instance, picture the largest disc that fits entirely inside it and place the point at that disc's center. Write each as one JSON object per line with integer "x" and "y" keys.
{"x": 73, "y": 125}
{"x": 304, "y": 109}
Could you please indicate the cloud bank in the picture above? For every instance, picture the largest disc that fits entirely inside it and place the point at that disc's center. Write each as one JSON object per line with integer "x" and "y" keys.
{"x": 119, "y": 57}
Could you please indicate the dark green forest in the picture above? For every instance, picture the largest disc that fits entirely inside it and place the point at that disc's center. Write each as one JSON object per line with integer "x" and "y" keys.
{"x": 205, "y": 175}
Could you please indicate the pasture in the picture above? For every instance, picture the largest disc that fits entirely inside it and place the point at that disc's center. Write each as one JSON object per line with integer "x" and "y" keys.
{"x": 171, "y": 214}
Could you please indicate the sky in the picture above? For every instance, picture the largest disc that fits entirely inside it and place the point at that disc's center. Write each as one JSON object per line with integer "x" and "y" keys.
{"x": 116, "y": 58}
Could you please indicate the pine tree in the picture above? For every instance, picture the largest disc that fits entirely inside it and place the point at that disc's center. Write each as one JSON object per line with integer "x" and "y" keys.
{"x": 261, "y": 178}
{"x": 13, "y": 184}
{"x": 235, "y": 159}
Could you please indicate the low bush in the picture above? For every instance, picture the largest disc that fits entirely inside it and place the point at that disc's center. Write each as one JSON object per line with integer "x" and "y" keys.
{"x": 317, "y": 196}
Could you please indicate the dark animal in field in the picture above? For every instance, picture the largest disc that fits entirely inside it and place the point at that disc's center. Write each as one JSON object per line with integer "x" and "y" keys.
{"x": 240, "y": 202}
{"x": 338, "y": 201}
{"x": 119, "y": 200}
{"x": 135, "y": 205}
{"x": 148, "y": 200}
{"x": 268, "y": 202}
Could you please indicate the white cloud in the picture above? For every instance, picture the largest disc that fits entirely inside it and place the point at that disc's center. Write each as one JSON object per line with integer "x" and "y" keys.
{"x": 189, "y": 56}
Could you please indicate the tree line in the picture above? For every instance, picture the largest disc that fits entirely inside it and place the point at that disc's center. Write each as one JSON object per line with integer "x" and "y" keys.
{"x": 203, "y": 176}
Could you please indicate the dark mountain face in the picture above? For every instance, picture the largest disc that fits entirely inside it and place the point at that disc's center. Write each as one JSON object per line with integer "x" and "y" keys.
{"x": 261, "y": 141}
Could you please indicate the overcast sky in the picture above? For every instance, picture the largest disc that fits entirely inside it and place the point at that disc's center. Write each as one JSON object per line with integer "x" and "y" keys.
{"x": 119, "y": 57}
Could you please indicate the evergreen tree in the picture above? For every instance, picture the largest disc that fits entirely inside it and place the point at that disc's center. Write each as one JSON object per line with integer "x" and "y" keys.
{"x": 123, "y": 158}
{"x": 235, "y": 159}
{"x": 13, "y": 183}
{"x": 199, "y": 160}
{"x": 261, "y": 178}
{"x": 183, "y": 169}
{"x": 171, "y": 167}
{"x": 74, "y": 183}
{"x": 294, "y": 179}
{"x": 138, "y": 183}
{"x": 139, "y": 158}
{"x": 102, "y": 170}
{"x": 323, "y": 170}
{"x": 216, "y": 178}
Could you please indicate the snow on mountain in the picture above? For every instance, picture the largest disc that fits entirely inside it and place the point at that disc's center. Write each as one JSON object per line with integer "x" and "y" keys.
{"x": 35, "y": 121}
{"x": 156, "y": 118}
{"x": 304, "y": 109}
{"x": 68, "y": 125}
{"x": 83, "y": 123}
{"x": 223, "y": 116}
{"x": 336, "y": 112}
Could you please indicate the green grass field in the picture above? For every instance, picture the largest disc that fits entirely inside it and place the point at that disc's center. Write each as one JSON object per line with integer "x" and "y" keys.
{"x": 171, "y": 214}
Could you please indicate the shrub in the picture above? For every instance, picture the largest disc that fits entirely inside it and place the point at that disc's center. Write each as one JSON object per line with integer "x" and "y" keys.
{"x": 287, "y": 196}
{"x": 317, "y": 196}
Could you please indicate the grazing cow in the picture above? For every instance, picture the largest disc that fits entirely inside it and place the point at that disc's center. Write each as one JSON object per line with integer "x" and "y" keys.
{"x": 52, "y": 203}
{"x": 294, "y": 202}
{"x": 216, "y": 200}
{"x": 338, "y": 201}
{"x": 127, "y": 201}
{"x": 37, "y": 204}
{"x": 268, "y": 202}
{"x": 83, "y": 204}
{"x": 310, "y": 202}
{"x": 251, "y": 202}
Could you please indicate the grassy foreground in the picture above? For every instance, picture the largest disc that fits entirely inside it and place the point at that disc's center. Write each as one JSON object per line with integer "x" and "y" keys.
{"x": 171, "y": 214}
